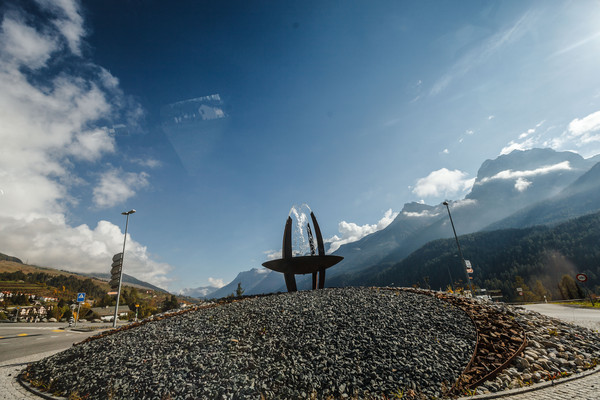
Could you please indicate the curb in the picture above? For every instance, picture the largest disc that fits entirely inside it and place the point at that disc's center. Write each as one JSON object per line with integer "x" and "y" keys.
{"x": 532, "y": 388}
{"x": 29, "y": 388}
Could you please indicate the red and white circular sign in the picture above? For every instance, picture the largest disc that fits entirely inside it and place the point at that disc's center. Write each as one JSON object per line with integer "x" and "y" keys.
{"x": 581, "y": 277}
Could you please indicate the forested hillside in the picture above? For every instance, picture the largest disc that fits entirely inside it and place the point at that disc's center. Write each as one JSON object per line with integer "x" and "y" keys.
{"x": 536, "y": 259}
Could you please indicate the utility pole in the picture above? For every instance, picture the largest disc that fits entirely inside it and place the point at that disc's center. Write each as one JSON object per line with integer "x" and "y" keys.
{"x": 464, "y": 264}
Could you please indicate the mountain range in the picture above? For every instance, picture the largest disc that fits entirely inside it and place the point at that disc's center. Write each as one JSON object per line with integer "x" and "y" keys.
{"x": 516, "y": 190}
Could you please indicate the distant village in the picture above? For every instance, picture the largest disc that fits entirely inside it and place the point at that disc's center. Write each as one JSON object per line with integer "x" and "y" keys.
{"x": 49, "y": 309}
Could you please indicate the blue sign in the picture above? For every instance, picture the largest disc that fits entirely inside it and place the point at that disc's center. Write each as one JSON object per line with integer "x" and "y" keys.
{"x": 80, "y": 297}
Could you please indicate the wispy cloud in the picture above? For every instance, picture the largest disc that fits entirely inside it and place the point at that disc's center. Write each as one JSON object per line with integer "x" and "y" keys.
{"x": 351, "y": 232}
{"x": 443, "y": 183}
{"x": 510, "y": 174}
{"x": 576, "y": 45}
{"x": 483, "y": 52}
{"x": 514, "y": 145}
{"x": 421, "y": 214}
{"x": 147, "y": 162}
{"x": 526, "y": 140}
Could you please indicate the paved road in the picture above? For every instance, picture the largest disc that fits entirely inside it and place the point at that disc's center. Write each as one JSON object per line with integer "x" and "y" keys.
{"x": 587, "y": 317}
{"x": 20, "y": 340}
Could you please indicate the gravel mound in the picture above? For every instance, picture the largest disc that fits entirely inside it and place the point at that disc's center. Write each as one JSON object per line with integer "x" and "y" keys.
{"x": 352, "y": 342}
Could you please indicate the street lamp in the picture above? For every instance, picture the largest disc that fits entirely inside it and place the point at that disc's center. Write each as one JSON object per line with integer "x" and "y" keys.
{"x": 468, "y": 282}
{"x": 126, "y": 213}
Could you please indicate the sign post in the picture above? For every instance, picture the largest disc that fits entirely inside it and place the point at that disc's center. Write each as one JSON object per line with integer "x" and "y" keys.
{"x": 80, "y": 299}
{"x": 582, "y": 278}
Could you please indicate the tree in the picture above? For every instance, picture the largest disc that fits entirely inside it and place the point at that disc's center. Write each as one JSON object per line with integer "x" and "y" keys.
{"x": 239, "y": 291}
{"x": 540, "y": 290}
{"x": 568, "y": 288}
{"x": 170, "y": 303}
{"x": 528, "y": 295}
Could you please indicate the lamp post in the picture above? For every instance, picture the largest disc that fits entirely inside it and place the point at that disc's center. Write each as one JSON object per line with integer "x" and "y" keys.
{"x": 126, "y": 213}
{"x": 464, "y": 264}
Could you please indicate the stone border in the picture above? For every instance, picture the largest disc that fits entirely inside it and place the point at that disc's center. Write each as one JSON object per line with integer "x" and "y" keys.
{"x": 27, "y": 386}
{"x": 532, "y": 388}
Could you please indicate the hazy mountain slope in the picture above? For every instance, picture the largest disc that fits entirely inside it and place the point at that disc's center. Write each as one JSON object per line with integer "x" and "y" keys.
{"x": 580, "y": 198}
{"x": 201, "y": 292}
{"x": 255, "y": 281}
{"x": 502, "y": 187}
{"x": 537, "y": 253}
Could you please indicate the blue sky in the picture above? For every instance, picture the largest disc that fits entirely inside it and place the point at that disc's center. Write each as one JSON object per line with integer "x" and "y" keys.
{"x": 212, "y": 119}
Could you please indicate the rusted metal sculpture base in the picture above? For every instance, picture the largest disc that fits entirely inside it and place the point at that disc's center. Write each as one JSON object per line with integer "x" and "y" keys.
{"x": 303, "y": 265}
{"x": 315, "y": 264}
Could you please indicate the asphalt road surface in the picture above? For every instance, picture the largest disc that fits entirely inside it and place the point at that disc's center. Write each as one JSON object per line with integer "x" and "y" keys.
{"x": 587, "y": 317}
{"x": 24, "y": 339}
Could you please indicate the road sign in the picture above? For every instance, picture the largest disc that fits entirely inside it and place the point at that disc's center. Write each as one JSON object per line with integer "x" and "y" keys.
{"x": 115, "y": 271}
{"x": 468, "y": 264}
{"x": 80, "y": 297}
{"x": 581, "y": 277}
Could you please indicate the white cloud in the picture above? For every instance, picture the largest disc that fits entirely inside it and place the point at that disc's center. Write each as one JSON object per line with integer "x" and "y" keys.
{"x": 522, "y": 184}
{"x": 116, "y": 187}
{"x": 68, "y": 21}
{"x": 525, "y": 134}
{"x": 580, "y": 134}
{"x": 352, "y": 232}
{"x": 512, "y": 146}
{"x": 422, "y": 214}
{"x": 23, "y": 45}
{"x": 50, "y": 134}
{"x": 443, "y": 183}
{"x": 216, "y": 282}
{"x": 491, "y": 117}
{"x": 44, "y": 241}
{"x": 147, "y": 162}
{"x": 273, "y": 254}
{"x": 446, "y": 151}
{"x": 585, "y": 127}
{"x": 469, "y": 131}
{"x": 463, "y": 203}
{"x": 528, "y": 141}
{"x": 510, "y": 174}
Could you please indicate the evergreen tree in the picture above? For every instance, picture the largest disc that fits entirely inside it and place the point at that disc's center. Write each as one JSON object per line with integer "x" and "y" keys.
{"x": 239, "y": 291}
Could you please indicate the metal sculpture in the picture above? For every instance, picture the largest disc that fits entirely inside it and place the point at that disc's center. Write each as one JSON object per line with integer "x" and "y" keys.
{"x": 314, "y": 264}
